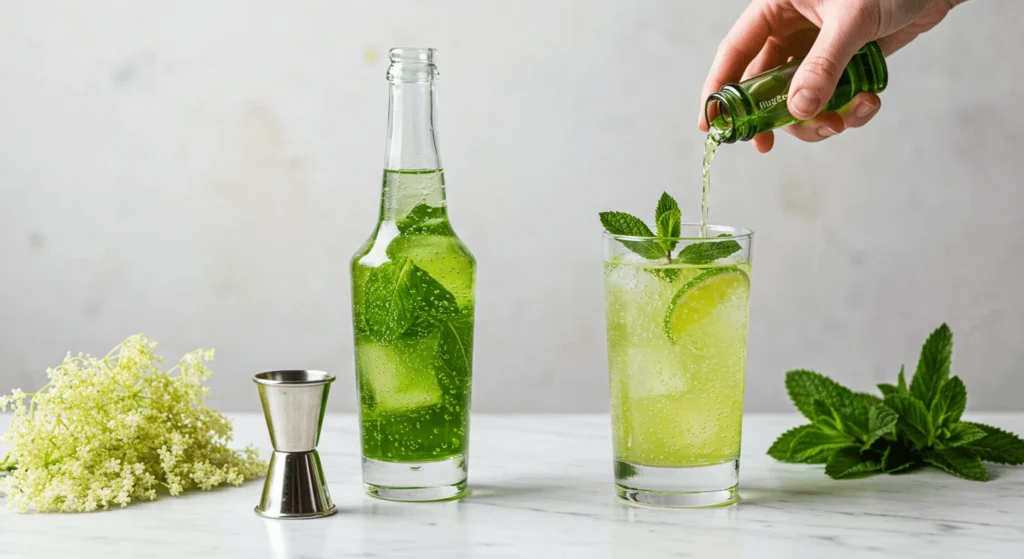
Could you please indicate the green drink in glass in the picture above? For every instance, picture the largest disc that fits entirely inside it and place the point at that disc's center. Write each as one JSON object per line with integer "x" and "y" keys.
{"x": 412, "y": 300}
{"x": 677, "y": 339}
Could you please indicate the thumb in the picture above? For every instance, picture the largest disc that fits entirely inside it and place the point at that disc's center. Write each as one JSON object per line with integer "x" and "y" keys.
{"x": 816, "y": 78}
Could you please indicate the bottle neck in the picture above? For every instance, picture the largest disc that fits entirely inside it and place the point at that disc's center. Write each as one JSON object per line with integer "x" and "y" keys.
{"x": 412, "y": 128}
{"x": 727, "y": 113}
{"x": 413, "y": 183}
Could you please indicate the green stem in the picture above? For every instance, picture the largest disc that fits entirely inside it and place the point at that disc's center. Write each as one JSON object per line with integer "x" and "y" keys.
{"x": 7, "y": 464}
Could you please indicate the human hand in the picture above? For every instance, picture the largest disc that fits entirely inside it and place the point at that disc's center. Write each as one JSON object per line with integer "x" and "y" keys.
{"x": 829, "y": 33}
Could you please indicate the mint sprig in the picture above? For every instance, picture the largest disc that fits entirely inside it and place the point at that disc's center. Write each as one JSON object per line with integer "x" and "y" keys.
{"x": 857, "y": 434}
{"x": 668, "y": 223}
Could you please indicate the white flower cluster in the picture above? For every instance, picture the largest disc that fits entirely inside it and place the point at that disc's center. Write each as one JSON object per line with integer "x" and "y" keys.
{"x": 109, "y": 431}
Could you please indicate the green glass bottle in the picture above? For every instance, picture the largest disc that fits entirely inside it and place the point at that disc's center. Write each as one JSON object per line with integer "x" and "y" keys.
{"x": 413, "y": 298}
{"x": 741, "y": 111}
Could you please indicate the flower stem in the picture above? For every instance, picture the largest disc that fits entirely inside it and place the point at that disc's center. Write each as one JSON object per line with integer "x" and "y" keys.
{"x": 8, "y": 464}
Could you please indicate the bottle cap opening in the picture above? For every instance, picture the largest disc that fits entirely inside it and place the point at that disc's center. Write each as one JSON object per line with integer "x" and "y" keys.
{"x": 412, "y": 55}
{"x": 720, "y": 119}
{"x": 412, "y": 64}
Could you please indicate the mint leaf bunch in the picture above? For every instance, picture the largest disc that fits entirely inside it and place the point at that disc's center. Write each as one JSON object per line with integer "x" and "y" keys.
{"x": 668, "y": 223}
{"x": 857, "y": 434}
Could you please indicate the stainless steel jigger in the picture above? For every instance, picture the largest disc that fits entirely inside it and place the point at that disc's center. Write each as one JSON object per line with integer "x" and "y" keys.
{"x": 294, "y": 403}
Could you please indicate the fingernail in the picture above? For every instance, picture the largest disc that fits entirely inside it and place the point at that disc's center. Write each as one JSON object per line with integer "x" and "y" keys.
{"x": 806, "y": 103}
{"x": 825, "y": 132}
{"x": 865, "y": 109}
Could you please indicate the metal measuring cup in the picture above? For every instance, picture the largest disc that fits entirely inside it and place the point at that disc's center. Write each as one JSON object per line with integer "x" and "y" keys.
{"x": 294, "y": 403}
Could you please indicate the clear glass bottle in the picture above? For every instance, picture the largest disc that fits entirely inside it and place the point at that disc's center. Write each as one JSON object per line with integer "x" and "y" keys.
{"x": 412, "y": 305}
{"x": 741, "y": 111}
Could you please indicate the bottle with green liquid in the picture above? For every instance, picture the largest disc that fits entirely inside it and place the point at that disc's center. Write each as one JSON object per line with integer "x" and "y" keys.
{"x": 744, "y": 110}
{"x": 413, "y": 285}
{"x": 741, "y": 111}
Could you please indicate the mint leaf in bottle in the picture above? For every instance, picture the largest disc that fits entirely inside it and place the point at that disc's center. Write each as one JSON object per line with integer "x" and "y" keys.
{"x": 398, "y": 293}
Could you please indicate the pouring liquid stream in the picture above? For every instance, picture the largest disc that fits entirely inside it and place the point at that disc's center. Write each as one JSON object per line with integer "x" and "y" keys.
{"x": 710, "y": 146}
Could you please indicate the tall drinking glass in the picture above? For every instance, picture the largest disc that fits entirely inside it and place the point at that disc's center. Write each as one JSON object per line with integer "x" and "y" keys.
{"x": 677, "y": 348}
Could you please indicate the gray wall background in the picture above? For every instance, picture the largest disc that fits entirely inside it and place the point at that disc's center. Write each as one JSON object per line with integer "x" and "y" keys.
{"x": 202, "y": 171}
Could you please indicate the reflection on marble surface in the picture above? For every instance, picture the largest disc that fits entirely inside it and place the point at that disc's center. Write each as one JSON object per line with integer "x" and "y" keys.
{"x": 541, "y": 486}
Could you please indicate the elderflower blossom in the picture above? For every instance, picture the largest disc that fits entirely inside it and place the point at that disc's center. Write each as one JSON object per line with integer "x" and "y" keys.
{"x": 109, "y": 431}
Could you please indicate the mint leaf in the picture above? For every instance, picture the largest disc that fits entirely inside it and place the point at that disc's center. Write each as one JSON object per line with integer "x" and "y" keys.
{"x": 898, "y": 458}
{"x": 669, "y": 225}
{"x": 707, "y": 252}
{"x": 668, "y": 218}
{"x": 781, "y": 449}
{"x": 1001, "y": 447}
{"x": 806, "y": 386}
{"x": 666, "y": 204}
{"x": 390, "y": 299}
{"x": 400, "y": 293}
{"x": 859, "y": 434}
{"x": 621, "y": 223}
{"x": 667, "y": 274}
{"x": 900, "y": 388}
{"x": 933, "y": 366}
{"x": 815, "y": 446}
{"x": 868, "y": 399}
{"x": 826, "y": 417}
{"x": 887, "y": 389}
{"x": 961, "y": 434}
{"x": 848, "y": 464}
{"x": 426, "y": 219}
{"x": 881, "y": 421}
{"x": 914, "y": 420}
{"x": 454, "y": 350}
{"x": 949, "y": 403}
{"x": 961, "y": 462}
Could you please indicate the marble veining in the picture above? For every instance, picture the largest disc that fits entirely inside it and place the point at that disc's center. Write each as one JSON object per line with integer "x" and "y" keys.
{"x": 541, "y": 487}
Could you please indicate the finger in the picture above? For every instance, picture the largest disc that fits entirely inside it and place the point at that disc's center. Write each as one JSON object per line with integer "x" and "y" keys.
{"x": 821, "y": 127}
{"x": 842, "y": 35}
{"x": 735, "y": 52}
{"x": 764, "y": 141}
{"x": 858, "y": 112}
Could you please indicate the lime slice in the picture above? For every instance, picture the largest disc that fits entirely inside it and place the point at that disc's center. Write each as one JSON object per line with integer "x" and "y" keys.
{"x": 702, "y": 297}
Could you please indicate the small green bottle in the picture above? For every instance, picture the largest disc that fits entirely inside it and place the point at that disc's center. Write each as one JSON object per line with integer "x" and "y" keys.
{"x": 741, "y": 111}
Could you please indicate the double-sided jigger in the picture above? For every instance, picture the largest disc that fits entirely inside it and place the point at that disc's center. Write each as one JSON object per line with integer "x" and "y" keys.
{"x": 294, "y": 403}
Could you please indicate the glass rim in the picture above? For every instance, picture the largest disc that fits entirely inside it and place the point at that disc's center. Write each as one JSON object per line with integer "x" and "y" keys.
{"x": 733, "y": 232}
{"x": 293, "y": 377}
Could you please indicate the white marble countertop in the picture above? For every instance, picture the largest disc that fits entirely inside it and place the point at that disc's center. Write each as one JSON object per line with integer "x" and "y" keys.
{"x": 541, "y": 487}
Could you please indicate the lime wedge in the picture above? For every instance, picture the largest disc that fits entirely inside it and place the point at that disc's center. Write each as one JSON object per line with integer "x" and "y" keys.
{"x": 703, "y": 296}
